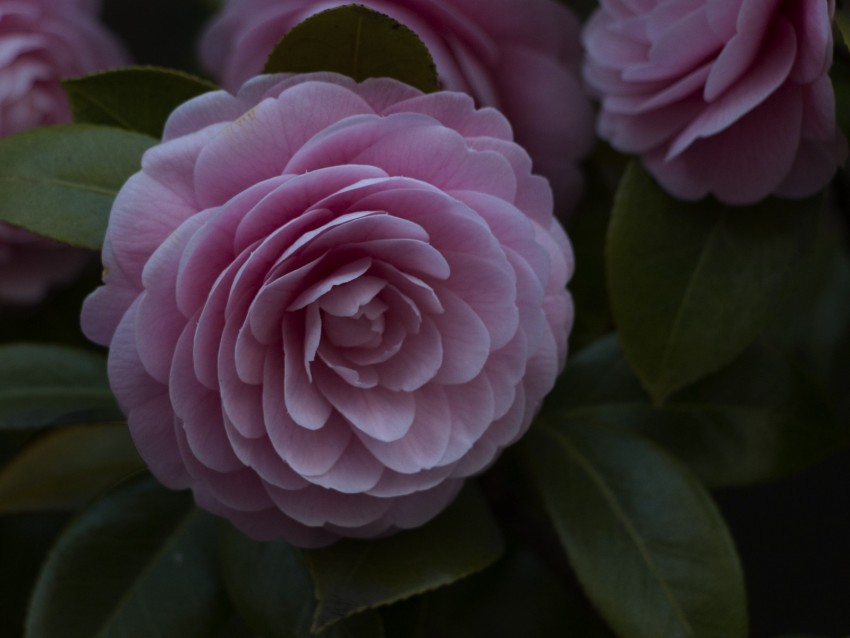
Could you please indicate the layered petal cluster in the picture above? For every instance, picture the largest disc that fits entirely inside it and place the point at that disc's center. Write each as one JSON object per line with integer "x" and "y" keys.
{"x": 722, "y": 97}
{"x": 41, "y": 43}
{"x": 327, "y": 303}
{"x": 520, "y": 56}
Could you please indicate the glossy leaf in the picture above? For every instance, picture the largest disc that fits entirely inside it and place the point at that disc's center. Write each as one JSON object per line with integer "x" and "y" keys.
{"x": 757, "y": 420}
{"x": 136, "y": 99}
{"x": 48, "y": 384}
{"x": 694, "y": 284}
{"x": 60, "y": 181}
{"x": 66, "y": 468}
{"x": 358, "y": 42}
{"x": 352, "y": 576}
{"x": 271, "y": 587}
{"x": 139, "y": 562}
{"x": 645, "y": 540}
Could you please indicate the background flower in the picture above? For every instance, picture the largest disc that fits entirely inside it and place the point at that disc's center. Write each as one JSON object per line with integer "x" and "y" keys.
{"x": 524, "y": 63}
{"x": 728, "y": 97}
{"x": 327, "y": 302}
{"x": 41, "y": 43}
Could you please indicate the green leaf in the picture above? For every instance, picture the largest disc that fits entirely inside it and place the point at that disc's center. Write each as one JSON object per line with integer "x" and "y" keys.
{"x": 840, "y": 74}
{"x": 48, "y": 384}
{"x": 352, "y": 576}
{"x": 644, "y": 537}
{"x": 519, "y": 595}
{"x": 757, "y": 420}
{"x": 842, "y": 20}
{"x": 271, "y": 587}
{"x": 66, "y": 468}
{"x": 357, "y": 42}
{"x": 60, "y": 181}
{"x": 136, "y": 98}
{"x": 692, "y": 285}
{"x": 139, "y": 562}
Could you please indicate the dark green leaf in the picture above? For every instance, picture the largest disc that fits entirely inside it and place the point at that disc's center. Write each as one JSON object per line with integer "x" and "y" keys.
{"x": 268, "y": 583}
{"x": 271, "y": 587}
{"x": 757, "y": 420}
{"x": 60, "y": 181}
{"x": 139, "y": 562}
{"x": 815, "y": 330}
{"x": 842, "y": 19}
{"x": 840, "y": 74}
{"x": 642, "y": 534}
{"x": 357, "y": 42}
{"x": 517, "y": 596}
{"x": 66, "y": 468}
{"x": 47, "y": 384}
{"x": 352, "y": 576}
{"x": 694, "y": 284}
{"x": 137, "y": 98}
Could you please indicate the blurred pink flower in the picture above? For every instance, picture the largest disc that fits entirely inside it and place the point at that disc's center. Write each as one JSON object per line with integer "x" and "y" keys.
{"x": 520, "y": 56}
{"x": 327, "y": 303}
{"x": 727, "y": 97}
{"x": 41, "y": 43}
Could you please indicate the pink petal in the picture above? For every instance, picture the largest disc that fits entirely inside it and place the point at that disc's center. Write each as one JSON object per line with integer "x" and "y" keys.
{"x": 380, "y": 413}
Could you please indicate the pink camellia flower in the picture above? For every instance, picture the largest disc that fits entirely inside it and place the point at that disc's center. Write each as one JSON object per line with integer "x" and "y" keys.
{"x": 520, "y": 56}
{"x": 728, "y": 97}
{"x": 327, "y": 303}
{"x": 41, "y": 43}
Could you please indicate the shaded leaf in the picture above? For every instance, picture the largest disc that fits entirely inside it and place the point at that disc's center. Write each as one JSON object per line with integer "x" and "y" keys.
{"x": 358, "y": 42}
{"x": 60, "y": 181}
{"x": 139, "y": 562}
{"x": 66, "y": 468}
{"x": 694, "y": 284}
{"x": 842, "y": 19}
{"x": 517, "y": 596}
{"x": 352, "y": 576}
{"x": 644, "y": 537}
{"x": 48, "y": 384}
{"x": 757, "y": 420}
{"x": 271, "y": 587}
{"x": 136, "y": 98}
{"x": 840, "y": 74}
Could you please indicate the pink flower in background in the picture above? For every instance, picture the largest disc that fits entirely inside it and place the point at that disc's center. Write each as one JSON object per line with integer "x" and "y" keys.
{"x": 727, "y": 97}
{"x": 327, "y": 303}
{"x": 520, "y": 56}
{"x": 42, "y": 42}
